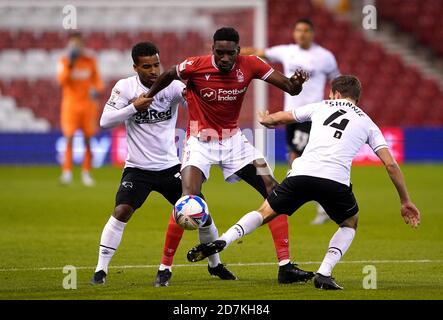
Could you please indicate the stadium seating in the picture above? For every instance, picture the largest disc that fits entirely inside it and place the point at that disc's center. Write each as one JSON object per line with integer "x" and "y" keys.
{"x": 421, "y": 18}
{"x": 393, "y": 93}
{"x": 29, "y": 53}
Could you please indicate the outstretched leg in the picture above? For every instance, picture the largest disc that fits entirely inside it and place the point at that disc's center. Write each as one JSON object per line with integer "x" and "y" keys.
{"x": 259, "y": 176}
{"x": 192, "y": 181}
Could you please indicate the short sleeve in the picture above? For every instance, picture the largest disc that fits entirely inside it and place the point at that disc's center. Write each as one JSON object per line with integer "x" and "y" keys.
{"x": 118, "y": 98}
{"x": 304, "y": 113}
{"x": 376, "y": 140}
{"x": 261, "y": 70}
{"x": 187, "y": 67}
{"x": 276, "y": 53}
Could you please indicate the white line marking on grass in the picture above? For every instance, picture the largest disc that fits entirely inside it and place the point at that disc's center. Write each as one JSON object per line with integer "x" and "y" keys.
{"x": 141, "y": 266}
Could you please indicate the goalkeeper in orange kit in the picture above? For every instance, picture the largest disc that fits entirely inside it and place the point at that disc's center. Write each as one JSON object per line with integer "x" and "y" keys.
{"x": 81, "y": 83}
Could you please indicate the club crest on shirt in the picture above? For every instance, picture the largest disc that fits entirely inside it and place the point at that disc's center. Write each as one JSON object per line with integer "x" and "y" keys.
{"x": 240, "y": 76}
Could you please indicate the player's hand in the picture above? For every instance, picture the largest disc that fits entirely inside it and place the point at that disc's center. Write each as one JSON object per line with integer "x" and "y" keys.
{"x": 265, "y": 119}
{"x": 299, "y": 77}
{"x": 141, "y": 103}
{"x": 410, "y": 214}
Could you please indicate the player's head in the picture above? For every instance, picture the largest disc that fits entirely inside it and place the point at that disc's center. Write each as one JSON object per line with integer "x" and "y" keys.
{"x": 345, "y": 86}
{"x": 75, "y": 41}
{"x": 225, "y": 48}
{"x": 145, "y": 56}
{"x": 304, "y": 33}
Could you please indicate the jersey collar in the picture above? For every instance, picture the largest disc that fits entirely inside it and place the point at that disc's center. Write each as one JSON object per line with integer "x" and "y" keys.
{"x": 215, "y": 65}
{"x": 141, "y": 84}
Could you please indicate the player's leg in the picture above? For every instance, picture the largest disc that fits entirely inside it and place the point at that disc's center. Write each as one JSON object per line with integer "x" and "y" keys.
{"x": 89, "y": 127}
{"x": 257, "y": 176}
{"x": 246, "y": 225}
{"x": 283, "y": 200}
{"x": 170, "y": 187}
{"x": 192, "y": 181}
{"x": 68, "y": 125}
{"x": 340, "y": 203}
{"x": 338, "y": 245}
{"x": 295, "y": 142}
{"x": 133, "y": 191}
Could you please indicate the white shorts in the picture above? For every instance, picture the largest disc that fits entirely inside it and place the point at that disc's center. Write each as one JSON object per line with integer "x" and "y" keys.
{"x": 231, "y": 154}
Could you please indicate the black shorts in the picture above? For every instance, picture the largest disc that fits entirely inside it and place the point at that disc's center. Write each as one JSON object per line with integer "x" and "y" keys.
{"x": 337, "y": 199}
{"x": 137, "y": 184}
{"x": 297, "y": 136}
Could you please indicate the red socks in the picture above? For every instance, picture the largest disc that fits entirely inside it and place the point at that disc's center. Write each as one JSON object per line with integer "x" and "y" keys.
{"x": 173, "y": 237}
{"x": 280, "y": 233}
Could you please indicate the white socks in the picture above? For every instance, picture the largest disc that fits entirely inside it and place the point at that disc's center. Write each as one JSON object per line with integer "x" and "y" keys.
{"x": 248, "y": 223}
{"x": 338, "y": 246}
{"x": 109, "y": 242}
{"x": 209, "y": 234}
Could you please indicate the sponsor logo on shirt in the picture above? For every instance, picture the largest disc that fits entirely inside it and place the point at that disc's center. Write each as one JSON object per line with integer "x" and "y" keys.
{"x": 210, "y": 94}
{"x": 152, "y": 116}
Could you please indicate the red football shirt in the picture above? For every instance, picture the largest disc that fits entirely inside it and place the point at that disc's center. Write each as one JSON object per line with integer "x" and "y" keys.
{"x": 215, "y": 98}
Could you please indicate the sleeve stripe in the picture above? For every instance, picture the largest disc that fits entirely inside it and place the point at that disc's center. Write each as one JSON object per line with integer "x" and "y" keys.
{"x": 380, "y": 146}
{"x": 267, "y": 74}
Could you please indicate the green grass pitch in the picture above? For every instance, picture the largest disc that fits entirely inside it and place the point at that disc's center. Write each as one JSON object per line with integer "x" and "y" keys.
{"x": 45, "y": 227}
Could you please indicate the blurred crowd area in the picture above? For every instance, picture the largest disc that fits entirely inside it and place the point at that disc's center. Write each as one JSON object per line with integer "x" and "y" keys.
{"x": 32, "y": 41}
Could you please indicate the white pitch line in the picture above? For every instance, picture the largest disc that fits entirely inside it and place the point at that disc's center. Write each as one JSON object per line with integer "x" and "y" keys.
{"x": 231, "y": 264}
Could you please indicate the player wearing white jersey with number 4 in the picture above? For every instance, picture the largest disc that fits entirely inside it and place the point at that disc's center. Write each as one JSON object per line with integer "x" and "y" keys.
{"x": 339, "y": 129}
{"x": 321, "y": 66}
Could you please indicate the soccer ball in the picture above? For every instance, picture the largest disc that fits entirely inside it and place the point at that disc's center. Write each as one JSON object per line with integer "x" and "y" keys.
{"x": 190, "y": 212}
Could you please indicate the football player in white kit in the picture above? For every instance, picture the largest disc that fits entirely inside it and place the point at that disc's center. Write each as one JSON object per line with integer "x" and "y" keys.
{"x": 321, "y": 66}
{"x": 339, "y": 129}
{"x": 152, "y": 163}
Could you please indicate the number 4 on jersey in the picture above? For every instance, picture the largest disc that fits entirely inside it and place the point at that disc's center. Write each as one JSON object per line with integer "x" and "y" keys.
{"x": 339, "y": 126}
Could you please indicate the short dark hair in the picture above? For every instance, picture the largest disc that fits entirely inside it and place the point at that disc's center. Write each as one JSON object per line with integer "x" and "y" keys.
{"x": 349, "y": 86}
{"x": 306, "y": 21}
{"x": 226, "y": 34}
{"x": 143, "y": 49}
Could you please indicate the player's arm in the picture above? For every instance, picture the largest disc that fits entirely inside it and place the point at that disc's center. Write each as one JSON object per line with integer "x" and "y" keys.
{"x": 119, "y": 108}
{"x": 247, "y": 51}
{"x": 292, "y": 85}
{"x": 275, "y": 119}
{"x": 163, "y": 81}
{"x": 409, "y": 211}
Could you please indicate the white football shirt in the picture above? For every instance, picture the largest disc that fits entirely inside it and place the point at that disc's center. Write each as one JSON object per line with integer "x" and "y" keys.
{"x": 319, "y": 62}
{"x": 339, "y": 129}
{"x": 150, "y": 134}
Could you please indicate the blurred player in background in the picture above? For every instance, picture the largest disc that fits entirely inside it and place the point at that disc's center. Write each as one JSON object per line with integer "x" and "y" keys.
{"x": 216, "y": 86}
{"x": 321, "y": 65}
{"x": 339, "y": 129}
{"x": 81, "y": 84}
{"x": 152, "y": 163}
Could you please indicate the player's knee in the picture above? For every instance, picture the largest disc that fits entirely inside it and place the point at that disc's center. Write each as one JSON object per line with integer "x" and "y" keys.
{"x": 123, "y": 212}
{"x": 351, "y": 222}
